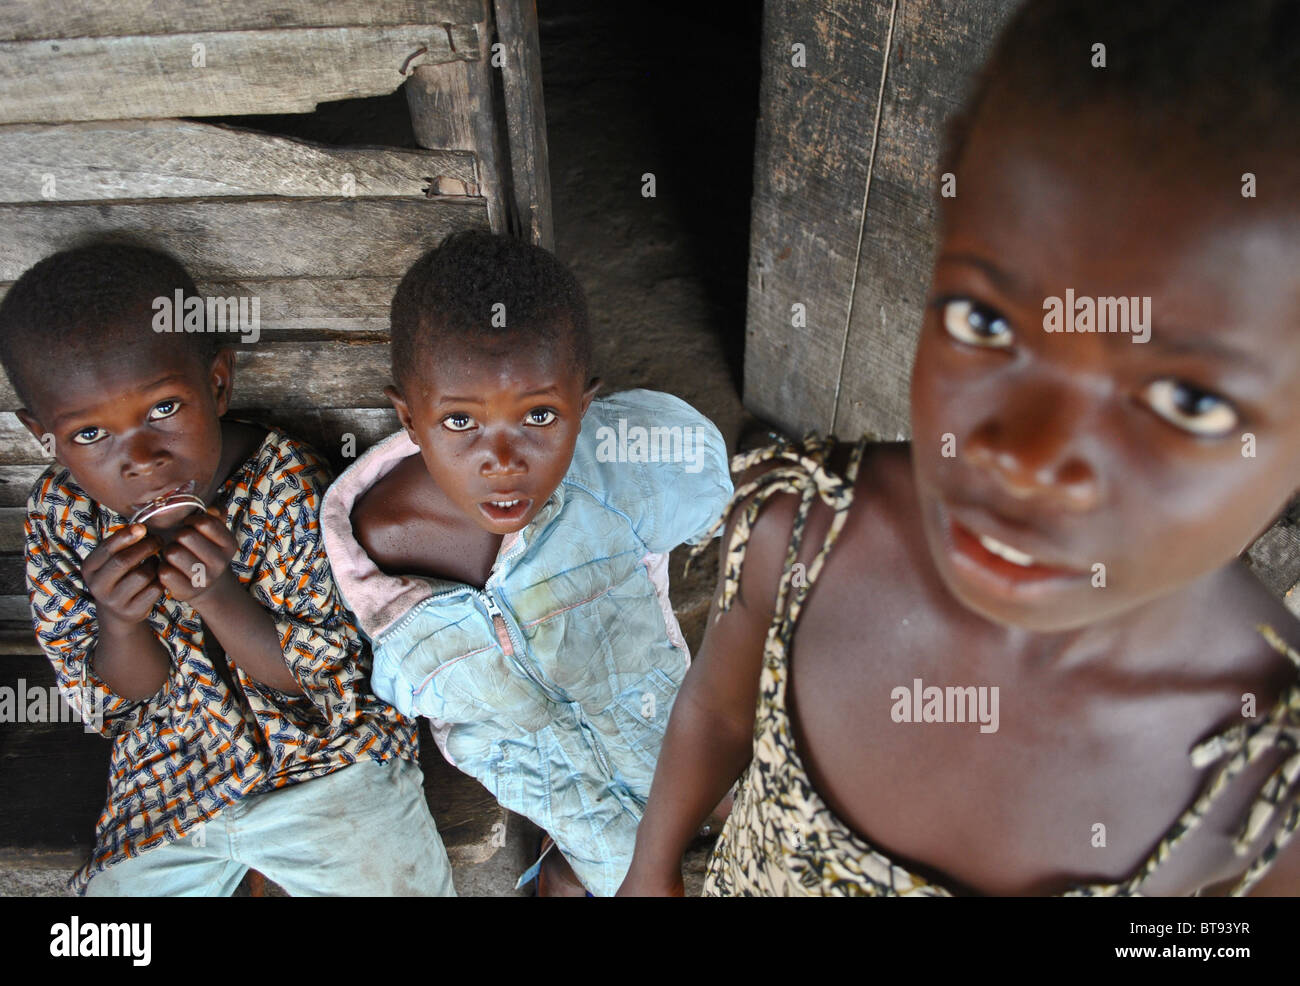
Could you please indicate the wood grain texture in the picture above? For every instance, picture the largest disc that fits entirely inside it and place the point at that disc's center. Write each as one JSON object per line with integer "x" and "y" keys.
{"x": 308, "y": 304}
{"x": 145, "y": 159}
{"x": 222, "y": 239}
{"x": 12, "y": 539}
{"x": 452, "y": 106}
{"x": 25, "y": 20}
{"x": 936, "y": 48}
{"x": 16, "y": 482}
{"x": 242, "y": 72}
{"x": 521, "y": 76}
{"x": 812, "y": 149}
{"x": 1275, "y": 556}
{"x": 17, "y": 446}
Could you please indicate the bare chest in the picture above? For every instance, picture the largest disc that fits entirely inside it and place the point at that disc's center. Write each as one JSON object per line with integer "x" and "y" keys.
{"x": 985, "y": 769}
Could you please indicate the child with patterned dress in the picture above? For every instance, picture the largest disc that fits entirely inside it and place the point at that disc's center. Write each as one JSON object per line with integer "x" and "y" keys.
{"x": 1021, "y": 654}
{"x": 210, "y": 644}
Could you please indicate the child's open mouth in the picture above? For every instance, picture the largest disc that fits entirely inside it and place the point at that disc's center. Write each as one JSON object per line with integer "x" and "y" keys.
{"x": 999, "y": 565}
{"x": 506, "y": 508}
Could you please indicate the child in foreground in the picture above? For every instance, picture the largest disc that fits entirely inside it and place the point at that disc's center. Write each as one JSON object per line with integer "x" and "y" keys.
{"x": 506, "y": 550}
{"x": 209, "y": 645}
{"x": 1059, "y": 546}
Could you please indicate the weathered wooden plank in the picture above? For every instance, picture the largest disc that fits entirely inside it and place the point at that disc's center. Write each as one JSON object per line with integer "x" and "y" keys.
{"x": 313, "y": 375}
{"x": 16, "y": 639}
{"x": 16, "y": 482}
{"x": 339, "y": 434}
{"x": 216, "y": 73}
{"x": 343, "y": 304}
{"x": 218, "y": 239}
{"x": 812, "y": 152}
{"x": 936, "y": 48}
{"x": 521, "y": 76}
{"x": 24, "y": 20}
{"x": 451, "y": 106}
{"x": 1275, "y": 555}
{"x": 12, "y": 539}
{"x": 144, "y": 159}
{"x": 13, "y": 581}
{"x": 308, "y": 304}
{"x": 17, "y": 446}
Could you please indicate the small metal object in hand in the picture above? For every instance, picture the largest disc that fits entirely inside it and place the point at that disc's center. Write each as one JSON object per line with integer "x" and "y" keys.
{"x": 172, "y": 506}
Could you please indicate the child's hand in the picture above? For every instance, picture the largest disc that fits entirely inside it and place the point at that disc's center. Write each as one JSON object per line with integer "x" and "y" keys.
{"x": 122, "y": 575}
{"x": 640, "y": 885}
{"x": 198, "y": 556}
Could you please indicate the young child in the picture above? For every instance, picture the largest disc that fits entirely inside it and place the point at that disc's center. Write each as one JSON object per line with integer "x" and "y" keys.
{"x": 210, "y": 646}
{"x": 505, "y": 551}
{"x": 1038, "y": 665}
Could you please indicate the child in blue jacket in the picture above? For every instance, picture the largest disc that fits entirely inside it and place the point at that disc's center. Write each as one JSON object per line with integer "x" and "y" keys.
{"x": 506, "y": 551}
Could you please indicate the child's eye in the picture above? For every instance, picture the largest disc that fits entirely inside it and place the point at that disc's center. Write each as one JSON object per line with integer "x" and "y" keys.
{"x": 88, "y": 436}
{"x": 164, "y": 409}
{"x": 1190, "y": 408}
{"x": 458, "y": 422}
{"x": 541, "y": 416}
{"x": 974, "y": 324}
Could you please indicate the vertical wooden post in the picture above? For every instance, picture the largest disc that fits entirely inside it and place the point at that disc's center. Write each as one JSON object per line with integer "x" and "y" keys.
{"x": 521, "y": 76}
{"x": 452, "y": 109}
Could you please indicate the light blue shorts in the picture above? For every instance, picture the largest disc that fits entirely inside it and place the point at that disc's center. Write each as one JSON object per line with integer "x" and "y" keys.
{"x": 364, "y": 830}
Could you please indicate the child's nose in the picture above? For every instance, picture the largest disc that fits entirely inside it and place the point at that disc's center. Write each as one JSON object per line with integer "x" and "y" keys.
{"x": 1031, "y": 445}
{"x": 143, "y": 455}
{"x": 502, "y": 458}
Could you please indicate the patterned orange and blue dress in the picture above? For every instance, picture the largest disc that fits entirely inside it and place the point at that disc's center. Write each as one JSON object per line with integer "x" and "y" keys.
{"x": 208, "y": 739}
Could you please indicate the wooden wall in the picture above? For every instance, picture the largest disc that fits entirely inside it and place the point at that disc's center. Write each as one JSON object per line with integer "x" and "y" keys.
{"x": 843, "y": 217}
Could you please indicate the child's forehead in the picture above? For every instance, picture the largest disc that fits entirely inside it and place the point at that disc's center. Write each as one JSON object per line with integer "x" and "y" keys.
{"x": 107, "y": 374}
{"x": 500, "y": 365}
{"x": 1076, "y": 203}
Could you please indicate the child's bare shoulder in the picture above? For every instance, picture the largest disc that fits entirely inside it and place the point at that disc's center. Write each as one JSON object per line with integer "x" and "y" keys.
{"x": 882, "y": 479}
{"x": 1245, "y": 605}
{"x": 387, "y": 519}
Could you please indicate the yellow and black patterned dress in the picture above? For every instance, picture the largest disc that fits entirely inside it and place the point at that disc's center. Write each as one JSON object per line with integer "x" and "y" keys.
{"x": 783, "y": 840}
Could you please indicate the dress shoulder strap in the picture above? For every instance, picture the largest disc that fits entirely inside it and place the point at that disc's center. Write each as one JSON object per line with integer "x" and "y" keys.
{"x": 1242, "y": 745}
{"x": 1278, "y": 799}
{"x": 801, "y": 469}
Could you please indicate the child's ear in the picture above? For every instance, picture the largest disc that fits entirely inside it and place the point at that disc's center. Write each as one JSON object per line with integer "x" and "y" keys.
{"x": 222, "y": 378}
{"x": 403, "y": 412}
{"x": 39, "y": 433}
{"x": 589, "y": 394}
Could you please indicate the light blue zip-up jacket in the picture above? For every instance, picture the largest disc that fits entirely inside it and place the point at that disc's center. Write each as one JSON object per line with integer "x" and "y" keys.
{"x": 553, "y": 683}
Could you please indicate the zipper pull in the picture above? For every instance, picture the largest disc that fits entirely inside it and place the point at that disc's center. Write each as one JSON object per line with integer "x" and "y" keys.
{"x": 499, "y": 624}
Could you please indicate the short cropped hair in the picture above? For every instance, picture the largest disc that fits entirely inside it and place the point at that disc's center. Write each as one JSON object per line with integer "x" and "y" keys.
{"x": 1224, "y": 72}
{"x": 79, "y": 301}
{"x": 451, "y": 297}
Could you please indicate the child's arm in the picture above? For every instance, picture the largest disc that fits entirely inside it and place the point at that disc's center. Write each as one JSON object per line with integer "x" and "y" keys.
{"x": 319, "y": 653}
{"x": 246, "y": 631}
{"x": 83, "y": 636}
{"x": 709, "y": 738}
{"x": 121, "y": 575}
